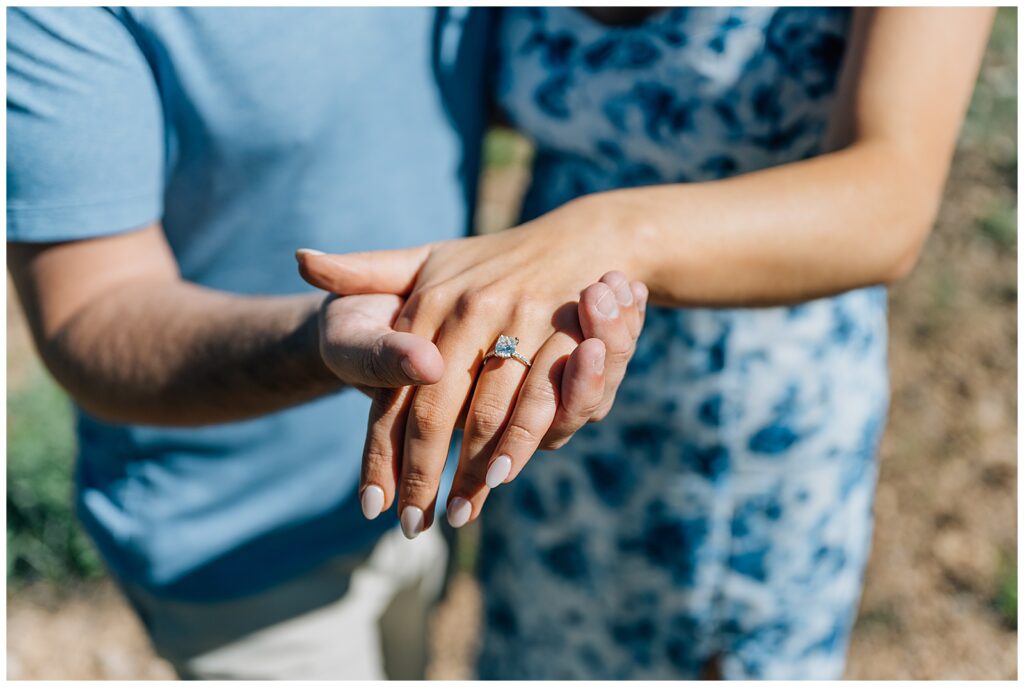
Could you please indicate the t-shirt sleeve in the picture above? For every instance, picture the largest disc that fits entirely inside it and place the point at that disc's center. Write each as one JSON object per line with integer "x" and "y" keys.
{"x": 85, "y": 130}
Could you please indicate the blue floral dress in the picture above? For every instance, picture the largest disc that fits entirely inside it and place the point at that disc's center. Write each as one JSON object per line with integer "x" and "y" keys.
{"x": 723, "y": 508}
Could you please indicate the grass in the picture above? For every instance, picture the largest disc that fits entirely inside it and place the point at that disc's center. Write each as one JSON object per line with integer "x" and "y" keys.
{"x": 991, "y": 122}
{"x": 44, "y": 539}
{"x": 1006, "y": 594}
{"x": 1000, "y": 226}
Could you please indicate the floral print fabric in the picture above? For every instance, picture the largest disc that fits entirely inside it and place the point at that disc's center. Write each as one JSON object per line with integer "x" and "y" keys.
{"x": 724, "y": 505}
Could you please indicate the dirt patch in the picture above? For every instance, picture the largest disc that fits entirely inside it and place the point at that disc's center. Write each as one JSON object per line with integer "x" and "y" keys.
{"x": 87, "y": 633}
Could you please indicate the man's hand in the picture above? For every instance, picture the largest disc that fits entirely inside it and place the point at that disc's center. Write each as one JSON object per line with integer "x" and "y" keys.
{"x": 132, "y": 342}
{"x": 358, "y": 344}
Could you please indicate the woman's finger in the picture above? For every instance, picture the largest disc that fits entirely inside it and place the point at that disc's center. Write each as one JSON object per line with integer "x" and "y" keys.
{"x": 517, "y": 407}
{"x": 386, "y": 427}
{"x": 431, "y": 418}
{"x": 385, "y": 433}
{"x": 381, "y": 271}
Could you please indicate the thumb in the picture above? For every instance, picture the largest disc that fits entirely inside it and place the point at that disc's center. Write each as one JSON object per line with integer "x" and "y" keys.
{"x": 358, "y": 344}
{"x": 382, "y": 271}
{"x": 396, "y": 359}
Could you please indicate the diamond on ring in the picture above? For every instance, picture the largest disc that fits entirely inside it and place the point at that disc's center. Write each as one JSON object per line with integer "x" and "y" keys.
{"x": 505, "y": 348}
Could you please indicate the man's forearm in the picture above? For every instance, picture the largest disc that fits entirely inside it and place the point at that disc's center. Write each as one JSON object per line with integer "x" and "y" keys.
{"x": 178, "y": 354}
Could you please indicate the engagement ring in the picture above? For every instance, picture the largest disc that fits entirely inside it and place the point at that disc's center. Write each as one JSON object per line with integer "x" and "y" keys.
{"x": 506, "y": 348}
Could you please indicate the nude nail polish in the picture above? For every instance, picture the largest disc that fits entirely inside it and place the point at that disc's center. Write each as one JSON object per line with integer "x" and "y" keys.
{"x": 498, "y": 471}
{"x": 459, "y": 511}
{"x": 372, "y": 501}
{"x": 412, "y": 522}
{"x": 309, "y": 251}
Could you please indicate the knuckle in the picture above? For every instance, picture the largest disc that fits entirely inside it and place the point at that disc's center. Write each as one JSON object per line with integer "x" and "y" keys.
{"x": 554, "y": 443}
{"x": 425, "y": 418}
{"x": 488, "y": 415}
{"x": 376, "y": 459}
{"x": 473, "y": 303}
{"x": 620, "y": 355}
{"x": 541, "y": 395}
{"x": 528, "y": 308}
{"x": 601, "y": 412}
{"x": 519, "y": 433}
{"x": 432, "y": 298}
{"x": 416, "y": 481}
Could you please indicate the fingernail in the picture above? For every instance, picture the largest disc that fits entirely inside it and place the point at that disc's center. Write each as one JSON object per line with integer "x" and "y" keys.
{"x": 498, "y": 471}
{"x": 599, "y": 363}
{"x": 459, "y": 511}
{"x": 410, "y": 371}
{"x": 412, "y": 522}
{"x": 308, "y": 251}
{"x": 607, "y": 307}
{"x": 624, "y": 293}
{"x": 372, "y": 501}
{"x": 643, "y": 304}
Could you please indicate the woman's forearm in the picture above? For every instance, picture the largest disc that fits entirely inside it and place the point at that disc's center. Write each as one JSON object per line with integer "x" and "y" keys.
{"x": 817, "y": 227}
{"x": 799, "y": 231}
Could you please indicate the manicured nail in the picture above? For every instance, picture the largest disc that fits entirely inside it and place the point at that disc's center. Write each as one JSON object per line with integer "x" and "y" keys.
{"x": 308, "y": 251}
{"x": 498, "y": 471}
{"x": 459, "y": 511}
{"x": 606, "y": 305}
{"x": 372, "y": 501}
{"x": 599, "y": 363}
{"x": 412, "y": 522}
{"x": 624, "y": 294}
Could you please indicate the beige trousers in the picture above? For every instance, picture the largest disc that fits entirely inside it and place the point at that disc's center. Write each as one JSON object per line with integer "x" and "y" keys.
{"x": 356, "y": 617}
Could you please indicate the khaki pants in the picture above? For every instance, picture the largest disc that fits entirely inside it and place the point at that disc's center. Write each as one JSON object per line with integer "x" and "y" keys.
{"x": 356, "y": 617}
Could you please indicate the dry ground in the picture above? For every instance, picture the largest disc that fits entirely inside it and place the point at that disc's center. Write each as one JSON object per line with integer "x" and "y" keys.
{"x": 945, "y": 538}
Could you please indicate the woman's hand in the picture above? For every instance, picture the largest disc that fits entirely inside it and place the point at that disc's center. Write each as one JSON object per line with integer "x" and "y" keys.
{"x": 463, "y": 294}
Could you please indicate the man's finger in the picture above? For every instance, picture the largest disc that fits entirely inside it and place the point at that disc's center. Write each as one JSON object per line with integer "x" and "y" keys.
{"x": 614, "y": 326}
{"x": 582, "y": 392}
{"x": 625, "y": 296}
{"x": 382, "y": 271}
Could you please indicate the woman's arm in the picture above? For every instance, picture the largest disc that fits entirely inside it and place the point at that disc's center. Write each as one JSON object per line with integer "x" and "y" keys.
{"x": 847, "y": 219}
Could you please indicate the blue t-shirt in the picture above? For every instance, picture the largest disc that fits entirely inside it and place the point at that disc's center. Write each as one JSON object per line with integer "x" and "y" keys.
{"x": 248, "y": 133}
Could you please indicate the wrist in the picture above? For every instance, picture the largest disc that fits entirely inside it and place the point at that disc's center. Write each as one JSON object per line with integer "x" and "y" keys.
{"x": 305, "y": 339}
{"x": 620, "y": 228}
